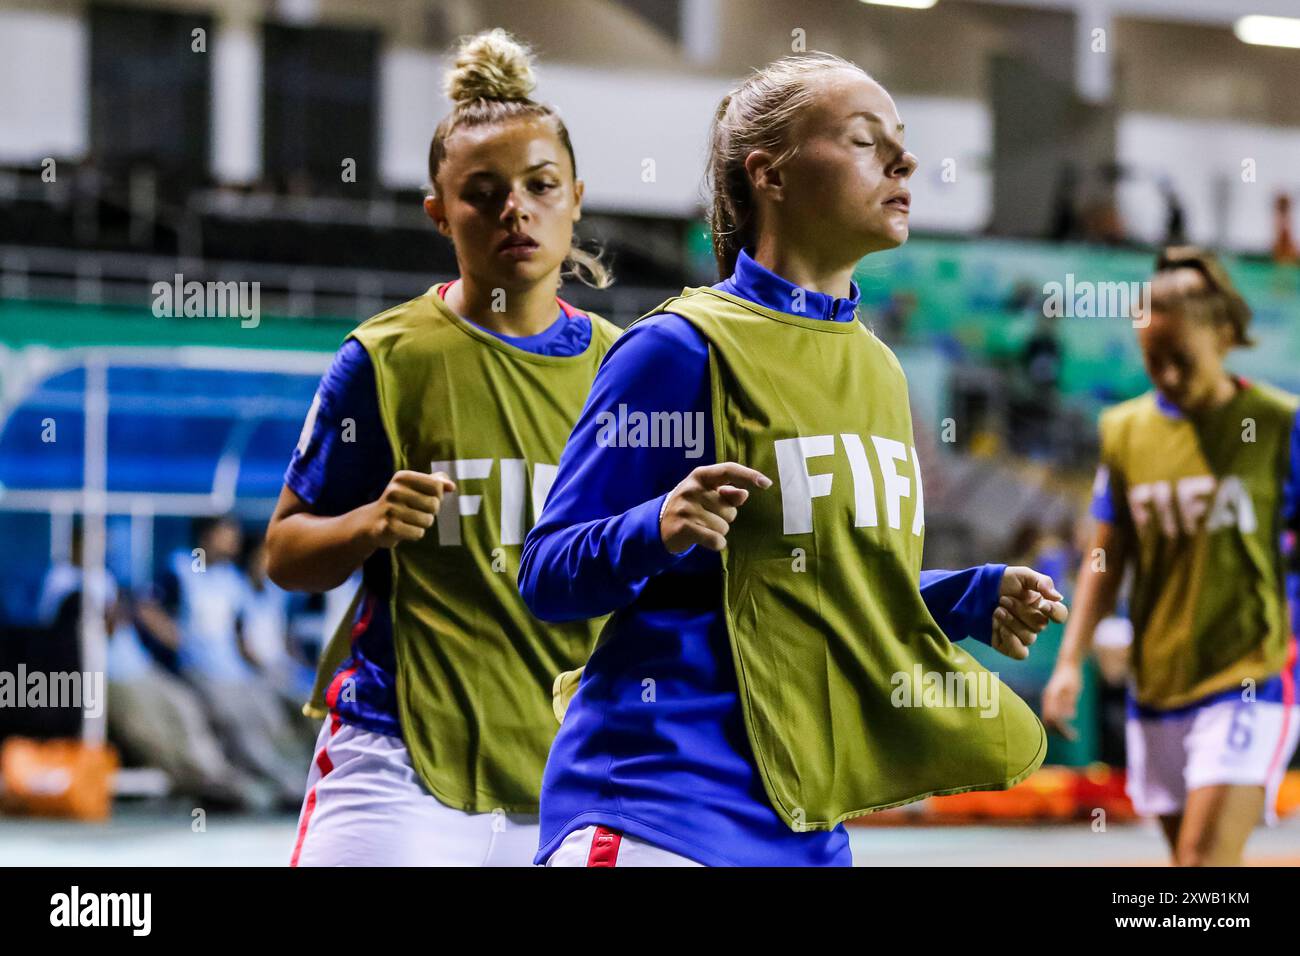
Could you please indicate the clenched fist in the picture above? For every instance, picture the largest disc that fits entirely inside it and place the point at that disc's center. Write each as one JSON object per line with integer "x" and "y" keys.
{"x": 406, "y": 509}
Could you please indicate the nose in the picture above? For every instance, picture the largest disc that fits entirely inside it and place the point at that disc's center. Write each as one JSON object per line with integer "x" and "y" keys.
{"x": 904, "y": 166}
{"x": 513, "y": 211}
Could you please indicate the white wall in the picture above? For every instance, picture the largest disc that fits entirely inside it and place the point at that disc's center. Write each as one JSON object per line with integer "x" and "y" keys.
{"x": 940, "y": 129}
{"x": 237, "y": 102}
{"x": 641, "y": 138}
{"x": 618, "y": 122}
{"x": 1204, "y": 161}
{"x": 44, "y": 85}
{"x": 410, "y": 105}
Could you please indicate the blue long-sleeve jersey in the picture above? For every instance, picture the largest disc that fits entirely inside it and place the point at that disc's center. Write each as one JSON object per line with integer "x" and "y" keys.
{"x": 654, "y": 743}
{"x": 335, "y": 469}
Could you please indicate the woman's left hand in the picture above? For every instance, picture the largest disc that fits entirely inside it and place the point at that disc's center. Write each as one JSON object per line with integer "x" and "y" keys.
{"x": 1029, "y": 601}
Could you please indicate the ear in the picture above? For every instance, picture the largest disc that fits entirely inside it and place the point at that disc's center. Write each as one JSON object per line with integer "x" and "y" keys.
{"x": 1227, "y": 337}
{"x": 765, "y": 178}
{"x": 578, "y": 187}
{"x": 437, "y": 211}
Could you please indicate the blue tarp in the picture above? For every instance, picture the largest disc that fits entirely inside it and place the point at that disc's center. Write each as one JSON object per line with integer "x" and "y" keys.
{"x": 167, "y": 430}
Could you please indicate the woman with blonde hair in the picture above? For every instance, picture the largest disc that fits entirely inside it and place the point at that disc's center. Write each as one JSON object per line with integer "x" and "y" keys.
{"x": 741, "y": 490}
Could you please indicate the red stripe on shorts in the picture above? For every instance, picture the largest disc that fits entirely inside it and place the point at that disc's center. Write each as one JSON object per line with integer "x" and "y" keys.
{"x": 1288, "y": 705}
{"x": 604, "y": 848}
{"x": 325, "y": 765}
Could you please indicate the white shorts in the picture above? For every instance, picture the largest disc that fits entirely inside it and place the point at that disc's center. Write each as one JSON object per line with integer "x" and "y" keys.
{"x": 366, "y": 806}
{"x": 599, "y": 846}
{"x": 1247, "y": 743}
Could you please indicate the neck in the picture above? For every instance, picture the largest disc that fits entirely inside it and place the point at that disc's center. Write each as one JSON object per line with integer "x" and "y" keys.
{"x": 804, "y": 268}
{"x": 519, "y": 312}
{"x": 1224, "y": 392}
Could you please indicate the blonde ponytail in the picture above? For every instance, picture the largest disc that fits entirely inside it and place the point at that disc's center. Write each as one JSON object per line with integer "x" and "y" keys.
{"x": 758, "y": 114}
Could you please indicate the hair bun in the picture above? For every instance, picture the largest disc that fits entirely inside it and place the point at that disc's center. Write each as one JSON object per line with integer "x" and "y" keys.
{"x": 490, "y": 66}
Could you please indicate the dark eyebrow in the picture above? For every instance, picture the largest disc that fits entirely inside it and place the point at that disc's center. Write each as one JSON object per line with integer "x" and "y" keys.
{"x": 867, "y": 114}
{"x": 531, "y": 169}
{"x": 493, "y": 174}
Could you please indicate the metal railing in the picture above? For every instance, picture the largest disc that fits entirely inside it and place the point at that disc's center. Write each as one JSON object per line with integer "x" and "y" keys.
{"x": 308, "y": 292}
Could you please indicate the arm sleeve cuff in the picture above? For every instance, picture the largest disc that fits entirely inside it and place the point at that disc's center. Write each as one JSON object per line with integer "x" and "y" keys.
{"x": 962, "y": 602}
{"x": 982, "y": 600}
{"x": 643, "y": 553}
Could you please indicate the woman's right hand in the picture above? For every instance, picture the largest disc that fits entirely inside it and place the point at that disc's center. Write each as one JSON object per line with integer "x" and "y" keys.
{"x": 702, "y": 507}
{"x": 407, "y": 507}
{"x": 1061, "y": 699}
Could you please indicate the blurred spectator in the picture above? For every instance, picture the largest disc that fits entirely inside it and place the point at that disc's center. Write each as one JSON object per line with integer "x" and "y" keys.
{"x": 896, "y": 316}
{"x": 155, "y": 719}
{"x": 1042, "y": 358}
{"x": 1175, "y": 217}
{"x": 1284, "y": 248}
{"x": 1065, "y": 206}
{"x": 265, "y": 634}
{"x": 1102, "y": 221}
{"x": 1035, "y": 402}
{"x": 205, "y": 594}
{"x": 66, "y": 578}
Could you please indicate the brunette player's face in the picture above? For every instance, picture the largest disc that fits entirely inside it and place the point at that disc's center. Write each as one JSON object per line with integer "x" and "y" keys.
{"x": 507, "y": 198}
{"x": 1184, "y": 358}
{"x": 849, "y": 176}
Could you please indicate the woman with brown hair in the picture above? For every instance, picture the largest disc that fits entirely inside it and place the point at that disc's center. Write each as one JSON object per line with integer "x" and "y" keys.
{"x": 433, "y": 438}
{"x": 1199, "y": 480}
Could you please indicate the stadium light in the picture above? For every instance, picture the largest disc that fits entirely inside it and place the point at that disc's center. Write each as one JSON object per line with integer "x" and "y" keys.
{"x": 909, "y": 4}
{"x": 1268, "y": 31}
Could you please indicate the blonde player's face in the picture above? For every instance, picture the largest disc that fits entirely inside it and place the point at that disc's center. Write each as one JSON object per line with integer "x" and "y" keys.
{"x": 1184, "y": 358}
{"x": 848, "y": 179}
{"x": 507, "y": 199}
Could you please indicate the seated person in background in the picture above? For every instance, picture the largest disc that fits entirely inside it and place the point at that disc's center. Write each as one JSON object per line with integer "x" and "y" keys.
{"x": 155, "y": 719}
{"x": 204, "y": 595}
{"x": 1284, "y": 248}
{"x": 265, "y": 639}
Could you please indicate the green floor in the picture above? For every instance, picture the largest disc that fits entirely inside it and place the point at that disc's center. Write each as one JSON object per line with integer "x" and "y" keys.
{"x": 153, "y": 836}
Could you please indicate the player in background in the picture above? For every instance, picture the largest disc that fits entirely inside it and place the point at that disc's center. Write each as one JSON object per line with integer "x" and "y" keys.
{"x": 431, "y": 442}
{"x": 741, "y": 491}
{"x": 1198, "y": 482}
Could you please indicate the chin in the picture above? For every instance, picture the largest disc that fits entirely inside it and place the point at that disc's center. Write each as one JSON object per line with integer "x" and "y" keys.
{"x": 889, "y": 238}
{"x": 515, "y": 275}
